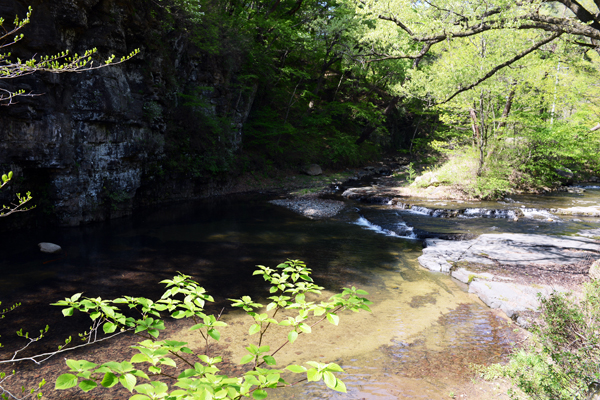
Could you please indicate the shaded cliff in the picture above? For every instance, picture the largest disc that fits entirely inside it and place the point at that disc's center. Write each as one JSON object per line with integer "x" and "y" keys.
{"x": 94, "y": 145}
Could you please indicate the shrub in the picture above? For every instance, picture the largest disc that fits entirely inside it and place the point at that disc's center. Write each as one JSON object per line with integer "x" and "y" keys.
{"x": 199, "y": 378}
{"x": 562, "y": 360}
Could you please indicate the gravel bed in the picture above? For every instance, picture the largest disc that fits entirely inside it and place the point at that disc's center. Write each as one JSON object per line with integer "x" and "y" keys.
{"x": 311, "y": 206}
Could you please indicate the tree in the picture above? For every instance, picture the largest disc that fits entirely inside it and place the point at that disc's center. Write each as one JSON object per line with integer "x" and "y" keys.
{"x": 420, "y": 26}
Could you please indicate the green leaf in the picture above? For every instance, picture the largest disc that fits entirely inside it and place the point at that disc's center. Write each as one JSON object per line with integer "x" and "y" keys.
{"x": 334, "y": 367}
{"x": 128, "y": 381}
{"x": 138, "y": 358}
{"x": 68, "y": 312}
{"x": 65, "y": 381}
{"x": 87, "y": 385}
{"x": 334, "y": 319}
{"x": 139, "y": 397}
{"x": 270, "y": 360}
{"x": 154, "y": 370}
{"x": 168, "y": 361}
{"x": 255, "y": 328}
{"x": 109, "y": 380}
{"x": 297, "y": 369}
{"x": 313, "y": 375}
{"x": 305, "y": 328}
{"x": 259, "y": 394}
{"x": 292, "y": 336}
{"x": 329, "y": 379}
{"x": 246, "y": 359}
{"x": 213, "y": 333}
{"x": 339, "y": 386}
{"x": 109, "y": 327}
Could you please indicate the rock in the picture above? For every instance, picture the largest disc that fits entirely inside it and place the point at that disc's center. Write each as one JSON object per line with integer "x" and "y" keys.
{"x": 427, "y": 179}
{"x": 523, "y": 322}
{"x": 312, "y": 170}
{"x": 595, "y": 270}
{"x": 507, "y": 248}
{"x": 564, "y": 172}
{"x": 592, "y": 233}
{"x": 510, "y": 297}
{"x": 593, "y": 391}
{"x": 311, "y": 206}
{"x": 88, "y": 139}
{"x": 402, "y": 160}
{"x": 50, "y": 248}
{"x": 466, "y": 276}
{"x": 591, "y": 211}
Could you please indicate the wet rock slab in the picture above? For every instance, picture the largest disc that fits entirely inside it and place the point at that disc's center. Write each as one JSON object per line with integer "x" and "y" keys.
{"x": 507, "y": 248}
{"x": 311, "y": 206}
{"x": 592, "y": 211}
{"x": 510, "y": 297}
{"x": 492, "y": 251}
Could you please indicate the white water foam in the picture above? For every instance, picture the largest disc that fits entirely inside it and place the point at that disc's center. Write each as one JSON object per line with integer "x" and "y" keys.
{"x": 365, "y": 223}
{"x": 420, "y": 210}
{"x": 534, "y": 213}
{"x": 485, "y": 213}
{"x": 589, "y": 187}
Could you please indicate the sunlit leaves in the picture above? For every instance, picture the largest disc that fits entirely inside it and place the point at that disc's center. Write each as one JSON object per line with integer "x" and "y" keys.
{"x": 158, "y": 357}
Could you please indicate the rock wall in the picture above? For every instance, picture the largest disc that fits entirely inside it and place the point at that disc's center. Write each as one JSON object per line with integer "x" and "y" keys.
{"x": 93, "y": 145}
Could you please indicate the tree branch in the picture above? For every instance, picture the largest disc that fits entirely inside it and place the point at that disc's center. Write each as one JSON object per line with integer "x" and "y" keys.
{"x": 581, "y": 13}
{"x": 497, "y": 68}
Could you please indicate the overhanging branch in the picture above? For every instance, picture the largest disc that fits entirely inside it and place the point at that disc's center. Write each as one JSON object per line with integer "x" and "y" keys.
{"x": 497, "y": 68}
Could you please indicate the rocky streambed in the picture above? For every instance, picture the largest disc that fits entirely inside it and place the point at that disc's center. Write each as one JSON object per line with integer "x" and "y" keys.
{"x": 510, "y": 271}
{"x": 524, "y": 257}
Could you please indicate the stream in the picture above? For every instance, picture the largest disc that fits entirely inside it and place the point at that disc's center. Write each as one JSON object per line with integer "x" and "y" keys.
{"x": 417, "y": 343}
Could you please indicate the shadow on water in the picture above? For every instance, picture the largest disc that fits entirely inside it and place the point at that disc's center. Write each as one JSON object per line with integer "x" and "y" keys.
{"x": 416, "y": 314}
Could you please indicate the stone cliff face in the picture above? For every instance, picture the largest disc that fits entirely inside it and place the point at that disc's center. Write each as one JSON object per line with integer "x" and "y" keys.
{"x": 95, "y": 144}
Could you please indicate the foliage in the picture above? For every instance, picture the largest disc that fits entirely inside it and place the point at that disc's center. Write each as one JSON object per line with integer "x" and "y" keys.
{"x": 59, "y": 63}
{"x": 562, "y": 359}
{"x": 289, "y": 306}
{"x": 411, "y": 172}
{"x": 19, "y": 206}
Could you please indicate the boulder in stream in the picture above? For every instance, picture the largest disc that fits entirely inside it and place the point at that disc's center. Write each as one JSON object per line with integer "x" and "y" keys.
{"x": 50, "y": 248}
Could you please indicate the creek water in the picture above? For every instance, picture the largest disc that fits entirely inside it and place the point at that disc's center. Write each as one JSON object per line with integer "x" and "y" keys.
{"x": 418, "y": 342}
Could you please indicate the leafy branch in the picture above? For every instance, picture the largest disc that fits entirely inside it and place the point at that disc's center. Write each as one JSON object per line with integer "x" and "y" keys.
{"x": 184, "y": 298}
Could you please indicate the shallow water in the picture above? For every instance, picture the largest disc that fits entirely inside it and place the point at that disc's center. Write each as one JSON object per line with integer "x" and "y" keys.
{"x": 418, "y": 342}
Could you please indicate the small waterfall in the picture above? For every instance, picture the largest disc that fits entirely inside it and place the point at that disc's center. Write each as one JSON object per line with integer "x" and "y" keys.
{"x": 421, "y": 210}
{"x": 534, "y": 213}
{"x": 404, "y": 231}
{"x": 493, "y": 213}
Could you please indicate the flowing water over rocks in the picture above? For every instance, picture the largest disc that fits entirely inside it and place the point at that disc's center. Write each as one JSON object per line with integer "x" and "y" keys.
{"x": 522, "y": 258}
